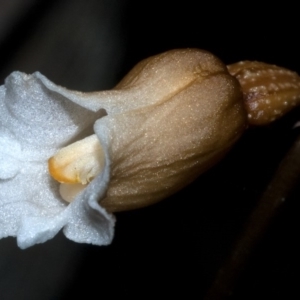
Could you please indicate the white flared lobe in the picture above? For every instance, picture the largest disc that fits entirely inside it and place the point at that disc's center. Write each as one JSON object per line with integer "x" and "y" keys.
{"x": 37, "y": 120}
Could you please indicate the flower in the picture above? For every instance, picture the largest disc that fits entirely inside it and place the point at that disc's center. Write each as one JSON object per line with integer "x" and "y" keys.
{"x": 37, "y": 119}
{"x": 171, "y": 118}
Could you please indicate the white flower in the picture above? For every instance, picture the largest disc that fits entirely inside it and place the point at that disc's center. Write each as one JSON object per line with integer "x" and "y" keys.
{"x": 171, "y": 118}
{"x": 36, "y": 121}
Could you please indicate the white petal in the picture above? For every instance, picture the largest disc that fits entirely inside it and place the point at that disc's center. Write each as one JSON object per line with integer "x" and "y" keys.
{"x": 36, "y": 120}
{"x": 9, "y": 150}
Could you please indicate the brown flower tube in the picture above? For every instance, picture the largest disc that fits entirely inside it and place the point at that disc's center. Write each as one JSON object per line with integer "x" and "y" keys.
{"x": 170, "y": 119}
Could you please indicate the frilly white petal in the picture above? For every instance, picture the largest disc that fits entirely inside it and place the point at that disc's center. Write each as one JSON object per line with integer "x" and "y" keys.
{"x": 38, "y": 118}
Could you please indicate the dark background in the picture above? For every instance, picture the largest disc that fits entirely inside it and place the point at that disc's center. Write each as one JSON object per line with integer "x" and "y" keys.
{"x": 174, "y": 247}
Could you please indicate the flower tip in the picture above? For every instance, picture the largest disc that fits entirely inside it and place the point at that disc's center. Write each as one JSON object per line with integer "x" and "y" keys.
{"x": 58, "y": 173}
{"x": 79, "y": 162}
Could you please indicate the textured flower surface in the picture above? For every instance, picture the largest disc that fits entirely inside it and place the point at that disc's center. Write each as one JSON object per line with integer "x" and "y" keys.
{"x": 170, "y": 119}
{"x": 37, "y": 120}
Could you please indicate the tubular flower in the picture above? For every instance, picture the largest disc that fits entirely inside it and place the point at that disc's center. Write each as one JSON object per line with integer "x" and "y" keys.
{"x": 171, "y": 118}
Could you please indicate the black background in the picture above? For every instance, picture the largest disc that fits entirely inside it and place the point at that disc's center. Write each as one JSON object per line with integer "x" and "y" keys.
{"x": 174, "y": 247}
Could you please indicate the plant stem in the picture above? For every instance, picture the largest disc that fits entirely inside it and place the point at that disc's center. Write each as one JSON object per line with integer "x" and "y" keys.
{"x": 281, "y": 185}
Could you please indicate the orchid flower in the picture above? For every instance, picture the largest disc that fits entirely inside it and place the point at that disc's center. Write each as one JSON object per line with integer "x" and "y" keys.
{"x": 171, "y": 118}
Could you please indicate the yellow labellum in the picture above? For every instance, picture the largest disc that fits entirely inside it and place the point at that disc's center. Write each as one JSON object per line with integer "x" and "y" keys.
{"x": 79, "y": 162}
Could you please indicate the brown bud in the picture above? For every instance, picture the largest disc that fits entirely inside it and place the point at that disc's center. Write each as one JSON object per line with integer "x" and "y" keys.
{"x": 269, "y": 91}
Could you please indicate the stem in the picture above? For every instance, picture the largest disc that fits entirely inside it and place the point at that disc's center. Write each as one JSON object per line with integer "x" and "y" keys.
{"x": 284, "y": 180}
